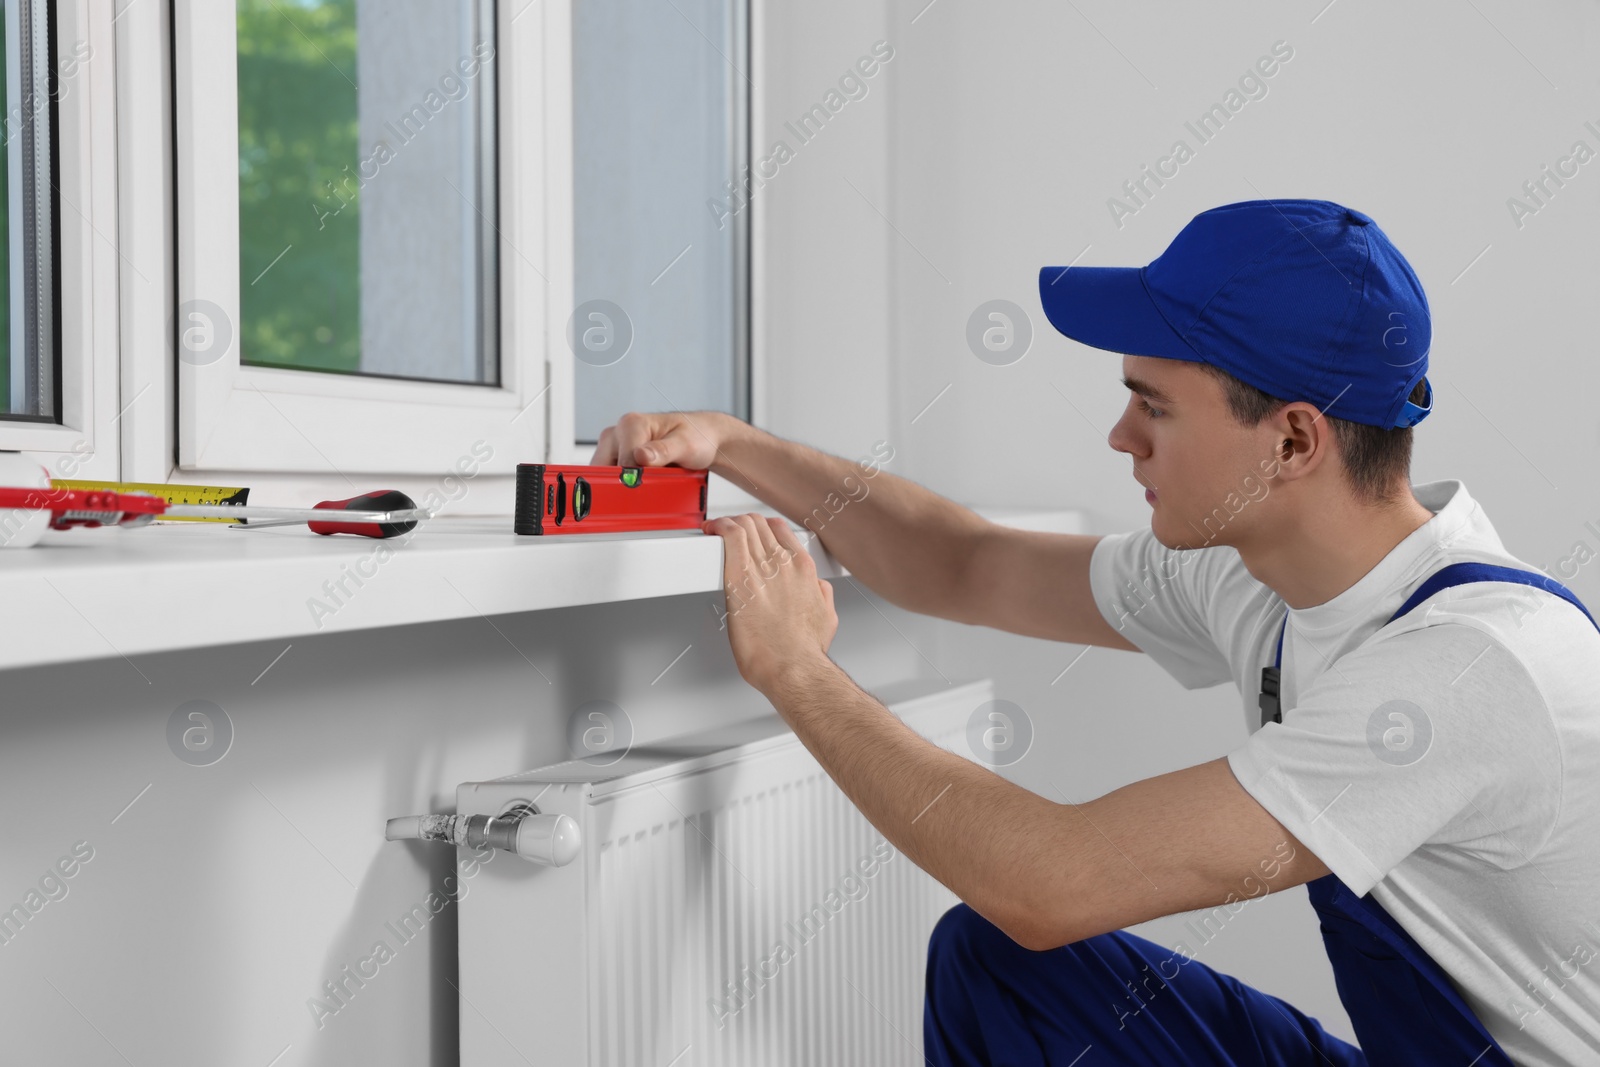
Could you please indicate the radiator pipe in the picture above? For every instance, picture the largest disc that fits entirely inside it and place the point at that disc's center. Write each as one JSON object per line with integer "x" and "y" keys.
{"x": 551, "y": 840}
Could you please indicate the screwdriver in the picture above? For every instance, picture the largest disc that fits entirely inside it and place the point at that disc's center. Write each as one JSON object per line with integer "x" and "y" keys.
{"x": 386, "y": 513}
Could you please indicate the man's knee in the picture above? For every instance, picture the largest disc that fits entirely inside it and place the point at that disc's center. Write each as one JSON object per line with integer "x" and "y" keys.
{"x": 972, "y": 963}
{"x": 962, "y": 931}
{"x": 966, "y": 963}
{"x": 965, "y": 936}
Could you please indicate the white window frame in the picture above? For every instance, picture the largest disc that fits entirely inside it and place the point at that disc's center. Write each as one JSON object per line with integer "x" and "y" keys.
{"x": 303, "y": 428}
{"x": 83, "y": 444}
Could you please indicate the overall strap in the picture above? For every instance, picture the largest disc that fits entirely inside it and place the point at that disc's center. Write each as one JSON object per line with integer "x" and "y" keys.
{"x": 1386, "y": 1007}
{"x": 1445, "y": 577}
{"x": 1402, "y": 1005}
{"x": 1462, "y": 573}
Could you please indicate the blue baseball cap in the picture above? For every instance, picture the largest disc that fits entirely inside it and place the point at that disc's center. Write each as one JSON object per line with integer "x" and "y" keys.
{"x": 1303, "y": 299}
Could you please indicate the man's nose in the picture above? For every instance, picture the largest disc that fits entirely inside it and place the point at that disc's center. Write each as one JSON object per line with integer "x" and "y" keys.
{"x": 1120, "y": 439}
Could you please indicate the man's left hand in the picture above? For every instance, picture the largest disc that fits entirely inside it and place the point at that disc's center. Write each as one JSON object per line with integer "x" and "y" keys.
{"x": 780, "y": 614}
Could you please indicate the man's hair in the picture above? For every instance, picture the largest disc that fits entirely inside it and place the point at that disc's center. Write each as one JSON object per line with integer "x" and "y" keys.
{"x": 1377, "y": 462}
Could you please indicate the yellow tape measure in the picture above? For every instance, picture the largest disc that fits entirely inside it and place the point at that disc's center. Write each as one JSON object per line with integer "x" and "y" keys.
{"x": 172, "y": 494}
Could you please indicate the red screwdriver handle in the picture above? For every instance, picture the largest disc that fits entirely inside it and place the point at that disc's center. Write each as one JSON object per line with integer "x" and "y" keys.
{"x": 383, "y": 500}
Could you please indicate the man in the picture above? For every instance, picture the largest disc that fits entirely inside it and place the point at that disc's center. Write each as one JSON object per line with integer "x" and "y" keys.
{"x": 1424, "y": 707}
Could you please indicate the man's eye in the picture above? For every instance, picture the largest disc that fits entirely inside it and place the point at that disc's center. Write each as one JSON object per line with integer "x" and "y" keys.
{"x": 1148, "y": 410}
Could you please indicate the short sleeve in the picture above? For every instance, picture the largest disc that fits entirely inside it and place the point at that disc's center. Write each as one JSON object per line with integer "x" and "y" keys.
{"x": 1155, "y": 596}
{"x": 1434, "y": 736}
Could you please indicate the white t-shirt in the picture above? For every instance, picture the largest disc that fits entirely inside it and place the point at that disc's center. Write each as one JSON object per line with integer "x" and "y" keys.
{"x": 1450, "y": 765}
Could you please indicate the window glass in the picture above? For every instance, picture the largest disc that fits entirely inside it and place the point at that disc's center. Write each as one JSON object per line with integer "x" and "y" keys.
{"x": 660, "y": 111}
{"x": 29, "y": 365}
{"x": 366, "y": 187}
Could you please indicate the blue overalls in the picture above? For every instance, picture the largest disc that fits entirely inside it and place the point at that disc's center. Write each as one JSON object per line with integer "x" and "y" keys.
{"x": 1117, "y": 998}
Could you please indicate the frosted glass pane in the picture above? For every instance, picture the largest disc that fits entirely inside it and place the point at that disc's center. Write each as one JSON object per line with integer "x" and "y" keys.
{"x": 658, "y": 133}
{"x": 28, "y": 384}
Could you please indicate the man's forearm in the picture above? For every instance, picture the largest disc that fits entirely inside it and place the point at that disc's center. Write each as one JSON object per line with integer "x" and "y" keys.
{"x": 905, "y": 542}
{"x": 1001, "y": 848}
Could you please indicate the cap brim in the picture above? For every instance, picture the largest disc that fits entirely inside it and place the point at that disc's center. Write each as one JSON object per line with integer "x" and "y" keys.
{"x": 1109, "y": 308}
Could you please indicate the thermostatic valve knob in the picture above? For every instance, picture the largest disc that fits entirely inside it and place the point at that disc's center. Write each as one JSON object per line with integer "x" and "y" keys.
{"x": 551, "y": 840}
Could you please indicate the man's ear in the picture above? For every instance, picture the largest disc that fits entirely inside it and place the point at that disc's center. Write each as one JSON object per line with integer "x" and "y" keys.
{"x": 1303, "y": 440}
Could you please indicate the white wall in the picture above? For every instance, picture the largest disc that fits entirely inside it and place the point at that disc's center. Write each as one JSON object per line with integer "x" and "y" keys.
{"x": 1014, "y": 124}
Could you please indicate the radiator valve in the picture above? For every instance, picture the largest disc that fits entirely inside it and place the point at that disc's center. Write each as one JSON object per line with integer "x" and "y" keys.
{"x": 552, "y": 840}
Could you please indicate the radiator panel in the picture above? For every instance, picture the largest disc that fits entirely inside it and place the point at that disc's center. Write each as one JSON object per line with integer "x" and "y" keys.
{"x": 729, "y": 907}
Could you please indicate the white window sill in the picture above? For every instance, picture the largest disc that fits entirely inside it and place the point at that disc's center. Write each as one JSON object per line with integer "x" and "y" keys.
{"x": 86, "y": 594}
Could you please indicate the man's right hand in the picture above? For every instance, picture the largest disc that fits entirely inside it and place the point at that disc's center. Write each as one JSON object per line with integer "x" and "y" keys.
{"x": 653, "y": 439}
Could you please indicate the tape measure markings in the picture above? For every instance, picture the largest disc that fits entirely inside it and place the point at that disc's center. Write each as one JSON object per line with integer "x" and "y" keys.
{"x": 171, "y": 493}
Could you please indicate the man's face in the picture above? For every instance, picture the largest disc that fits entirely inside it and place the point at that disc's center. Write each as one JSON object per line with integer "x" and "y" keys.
{"x": 1205, "y": 469}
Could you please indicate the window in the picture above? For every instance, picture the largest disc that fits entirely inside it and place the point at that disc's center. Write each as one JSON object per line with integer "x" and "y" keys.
{"x": 29, "y": 373}
{"x": 59, "y": 369}
{"x": 661, "y": 97}
{"x": 353, "y": 292}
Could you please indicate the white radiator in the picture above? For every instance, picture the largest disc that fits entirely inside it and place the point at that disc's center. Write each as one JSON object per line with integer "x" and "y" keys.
{"x": 729, "y": 906}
